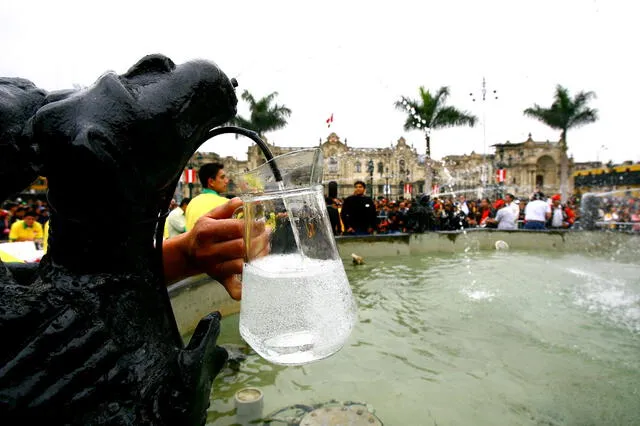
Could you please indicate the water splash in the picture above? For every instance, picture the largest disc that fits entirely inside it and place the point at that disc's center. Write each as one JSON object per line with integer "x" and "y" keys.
{"x": 608, "y": 297}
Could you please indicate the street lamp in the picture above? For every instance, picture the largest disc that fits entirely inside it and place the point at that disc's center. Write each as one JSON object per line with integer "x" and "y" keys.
{"x": 483, "y": 99}
{"x": 601, "y": 149}
{"x": 386, "y": 186}
{"x": 500, "y": 166}
{"x": 191, "y": 178}
{"x": 370, "y": 169}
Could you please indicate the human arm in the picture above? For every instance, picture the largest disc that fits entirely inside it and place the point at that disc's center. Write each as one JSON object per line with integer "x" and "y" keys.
{"x": 495, "y": 220}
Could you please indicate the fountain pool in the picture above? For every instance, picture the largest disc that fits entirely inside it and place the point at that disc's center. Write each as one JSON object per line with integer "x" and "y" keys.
{"x": 478, "y": 337}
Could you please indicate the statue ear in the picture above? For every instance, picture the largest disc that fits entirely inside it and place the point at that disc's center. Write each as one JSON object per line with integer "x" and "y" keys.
{"x": 151, "y": 64}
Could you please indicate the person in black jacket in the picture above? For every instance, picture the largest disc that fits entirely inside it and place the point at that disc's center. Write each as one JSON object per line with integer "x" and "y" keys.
{"x": 358, "y": 212}
{"x": 334, "y": 216}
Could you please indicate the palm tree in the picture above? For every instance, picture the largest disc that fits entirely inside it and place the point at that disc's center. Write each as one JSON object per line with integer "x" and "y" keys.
{"x": 264, "y": 117}
{"x": 430, "y": 112}
{"x": 565, "y": 113}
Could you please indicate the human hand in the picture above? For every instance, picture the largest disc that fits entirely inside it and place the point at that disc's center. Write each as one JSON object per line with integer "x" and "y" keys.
{"x": 214, "y": 246}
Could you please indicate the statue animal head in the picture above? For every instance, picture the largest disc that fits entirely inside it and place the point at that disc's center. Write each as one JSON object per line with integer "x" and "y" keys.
{"x": 128, "y": 137}
{"x": 90, "y": 341}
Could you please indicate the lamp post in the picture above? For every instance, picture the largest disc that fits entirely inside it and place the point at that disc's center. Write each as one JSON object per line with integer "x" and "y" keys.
{"x": 601, "y": 149}
{"x": 483, "y": 99}
{"x": 370, "y": 168}
{"x": 500, "y": 165}
{"x": 386, "y": 186}
{"x": 190, "y": 175}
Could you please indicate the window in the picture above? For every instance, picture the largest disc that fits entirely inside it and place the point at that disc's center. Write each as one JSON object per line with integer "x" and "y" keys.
{"x": 401, "y": 166}
{"x": 333, "y": 165}
{"x": 358, "y": 167}
{"x": 380, "y": 167}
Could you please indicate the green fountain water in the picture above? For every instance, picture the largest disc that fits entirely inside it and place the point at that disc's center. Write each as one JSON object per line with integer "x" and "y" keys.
{"x": 478, "y": 338}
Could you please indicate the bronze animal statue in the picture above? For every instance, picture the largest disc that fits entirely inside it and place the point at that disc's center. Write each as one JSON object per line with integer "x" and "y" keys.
{"x": 88, "y": 335}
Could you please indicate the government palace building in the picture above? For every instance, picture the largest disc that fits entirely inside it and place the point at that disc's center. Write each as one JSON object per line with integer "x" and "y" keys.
{"x": 399, "y": 171}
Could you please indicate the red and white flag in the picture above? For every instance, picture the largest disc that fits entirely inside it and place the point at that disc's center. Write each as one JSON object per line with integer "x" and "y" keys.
{"x": 330, "y": 120}
{"x": 501, "y": 175}
{"x": 435, "y": 190}
{"x": 190, "y": 176}
{"x": 408, "y": 188}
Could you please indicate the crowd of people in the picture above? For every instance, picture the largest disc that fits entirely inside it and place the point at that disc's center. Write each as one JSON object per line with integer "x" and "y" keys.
{"x": 359, "y": 214}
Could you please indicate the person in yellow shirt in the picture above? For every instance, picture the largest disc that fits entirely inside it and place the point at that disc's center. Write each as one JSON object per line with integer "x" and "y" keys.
{"x": 214, "y": 181}
{"x": 27, "y": 229}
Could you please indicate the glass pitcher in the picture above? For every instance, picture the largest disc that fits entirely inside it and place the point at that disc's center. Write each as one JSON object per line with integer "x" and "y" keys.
{"x": 297, "y": 306}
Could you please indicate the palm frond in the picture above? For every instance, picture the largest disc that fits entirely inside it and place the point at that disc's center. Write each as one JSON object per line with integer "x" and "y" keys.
{"x": 548, "y": 116}
{"x": 248, "y": 97}
{"x": 264, "y": 115}
{"x": 582, "y": 98}
{"x": 440, "y": 97}
{"x": 565, "y": 112}
{"x": 430, "y": 111}
{"x": 585, "y": 116}
{"x": 451, "y": 117}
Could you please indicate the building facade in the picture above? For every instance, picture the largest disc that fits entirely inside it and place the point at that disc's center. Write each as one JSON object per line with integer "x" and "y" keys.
{"x": 400, "y": 172}
{"x": 393, "y": 172}
{"x": 531, "y": 166}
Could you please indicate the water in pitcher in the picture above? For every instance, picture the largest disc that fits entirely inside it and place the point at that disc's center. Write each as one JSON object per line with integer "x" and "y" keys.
{"x": 296, "y": 310}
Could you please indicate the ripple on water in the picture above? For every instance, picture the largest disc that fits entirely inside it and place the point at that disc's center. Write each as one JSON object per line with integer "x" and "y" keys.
{"x": 476, "y": 338}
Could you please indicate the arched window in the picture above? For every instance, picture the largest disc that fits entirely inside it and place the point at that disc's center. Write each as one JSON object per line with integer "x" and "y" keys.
{"x": 333, "y": 165}
{"x": 401, "y": 166}
{"x": 358, "y": 167}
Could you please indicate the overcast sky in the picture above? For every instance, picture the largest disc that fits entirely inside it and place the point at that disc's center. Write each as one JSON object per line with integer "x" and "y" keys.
{"x": 354, "y": 59}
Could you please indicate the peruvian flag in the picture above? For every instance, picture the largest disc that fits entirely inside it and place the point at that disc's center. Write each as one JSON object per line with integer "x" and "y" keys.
{"x": 501, "y": 175}
{"x": 189, "y": 176}
{"x": 407, "y": 188}
{"x": 435, "y": 190}
{"x": 330, "y": 120}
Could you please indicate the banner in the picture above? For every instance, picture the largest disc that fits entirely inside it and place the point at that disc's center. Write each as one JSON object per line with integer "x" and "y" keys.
{"x": 408, "y": 188}
{"x": 190, "y": 176}
{"x": 501, "y": 175}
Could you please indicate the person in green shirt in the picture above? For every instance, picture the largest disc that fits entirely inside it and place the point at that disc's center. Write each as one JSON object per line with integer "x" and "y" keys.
{"x": 214, "y": 181}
